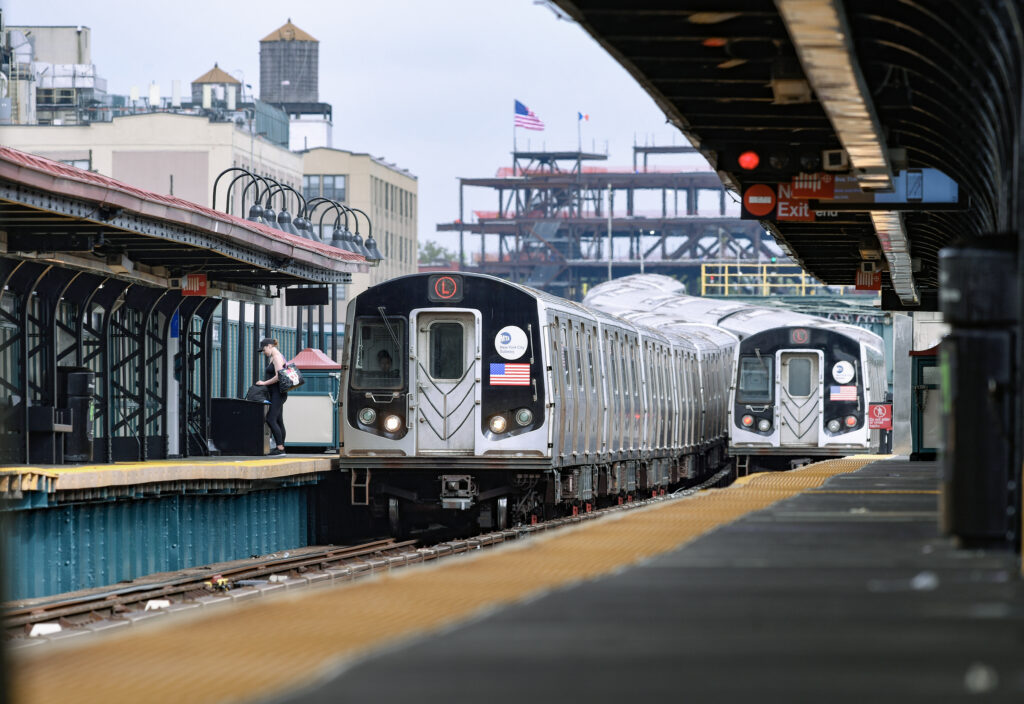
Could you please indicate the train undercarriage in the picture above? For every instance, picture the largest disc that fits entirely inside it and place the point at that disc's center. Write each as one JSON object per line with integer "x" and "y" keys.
{"x": 473, "y": 493}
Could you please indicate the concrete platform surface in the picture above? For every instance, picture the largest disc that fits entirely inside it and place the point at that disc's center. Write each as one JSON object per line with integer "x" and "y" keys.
{"x": 846, "y": 593}
{"x": 53, "y": 479}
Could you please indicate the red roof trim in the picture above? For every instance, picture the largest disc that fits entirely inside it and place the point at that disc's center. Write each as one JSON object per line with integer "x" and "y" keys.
{"x": 53, "y": 176}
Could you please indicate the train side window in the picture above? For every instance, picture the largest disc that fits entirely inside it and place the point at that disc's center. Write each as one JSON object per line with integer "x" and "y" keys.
{"x": 590, "y": 358}
{"x": 612, "y": 366}
{"x": 579, "y": 360}
{"x": 632, "y": 360}
{"x": 447, "y": 351}
{"x": 376, "y": 360}
{"x": 565, "y": 359}
{"x": 799, "y": 377}
{"x": 756, "y": 374}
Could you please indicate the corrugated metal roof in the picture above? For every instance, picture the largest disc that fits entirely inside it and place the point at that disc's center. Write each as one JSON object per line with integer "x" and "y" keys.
{"x": 289, "y": 33}
{"x": 39, "y": 172}
{"x": 217, "y": 75}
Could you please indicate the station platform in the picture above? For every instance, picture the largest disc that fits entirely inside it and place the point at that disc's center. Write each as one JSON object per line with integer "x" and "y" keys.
{"x": 45, "y": 485}
{"x": 830, "y": 582}
{"x": 74, "y": 527}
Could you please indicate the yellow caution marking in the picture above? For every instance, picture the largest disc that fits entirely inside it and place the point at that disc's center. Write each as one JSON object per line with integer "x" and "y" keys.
{"x": 270, "y": 646}
{"x": 877, "y": 491}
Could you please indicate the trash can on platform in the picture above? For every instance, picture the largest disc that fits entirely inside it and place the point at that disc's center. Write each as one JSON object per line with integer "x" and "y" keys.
{"x": 237, "y": 427}
{"x": 76, "y": 390}
{"x": 311, "y": 411}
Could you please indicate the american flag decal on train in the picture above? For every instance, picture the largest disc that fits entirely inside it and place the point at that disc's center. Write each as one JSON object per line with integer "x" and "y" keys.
{"x": 842, "y": 393}
{"x": 510, "y": 375}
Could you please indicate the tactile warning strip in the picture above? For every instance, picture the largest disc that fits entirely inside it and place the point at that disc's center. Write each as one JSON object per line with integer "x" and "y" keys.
{"x": 256, "y": 650}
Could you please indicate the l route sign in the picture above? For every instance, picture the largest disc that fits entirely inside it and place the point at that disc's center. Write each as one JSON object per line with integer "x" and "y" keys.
{"x": 880, "y": 416}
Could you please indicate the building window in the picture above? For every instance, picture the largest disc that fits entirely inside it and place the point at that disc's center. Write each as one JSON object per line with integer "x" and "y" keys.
{"x": 334, "y": 187}
{"x": 78, "y": 163}
{"x": 310, "y": 187}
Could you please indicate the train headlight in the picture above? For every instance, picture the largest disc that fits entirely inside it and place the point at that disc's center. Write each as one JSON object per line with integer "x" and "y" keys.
{"x": 367, "y": 416}
{"x": 747, "y": 420}
{"x": 497, "y": 424}
{"x": 833, "y": 426}
{"x": 392, "y": 423}
{"x": 851, "y": 421}
{"x": 764, "y": 425}
{"x": 524, "y": 416}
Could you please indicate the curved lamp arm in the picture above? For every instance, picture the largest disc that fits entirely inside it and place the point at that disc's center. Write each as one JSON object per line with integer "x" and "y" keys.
{"x": 220, "y": 175}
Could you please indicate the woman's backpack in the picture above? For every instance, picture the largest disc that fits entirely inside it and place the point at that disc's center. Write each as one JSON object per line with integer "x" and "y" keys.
{"x": 289, "y": 377}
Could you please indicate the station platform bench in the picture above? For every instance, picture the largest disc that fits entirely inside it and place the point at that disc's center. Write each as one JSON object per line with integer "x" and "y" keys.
{"x": 831, "y": 581}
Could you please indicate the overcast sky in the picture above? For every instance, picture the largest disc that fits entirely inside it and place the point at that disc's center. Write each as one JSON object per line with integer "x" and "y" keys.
{"x": 429, "y": 85}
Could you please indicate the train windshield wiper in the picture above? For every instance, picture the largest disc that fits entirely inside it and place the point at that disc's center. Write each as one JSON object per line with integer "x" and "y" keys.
{"x": 394, "y": 337}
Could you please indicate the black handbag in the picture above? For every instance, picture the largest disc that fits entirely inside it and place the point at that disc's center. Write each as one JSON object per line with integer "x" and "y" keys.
{"x": 289, "y": 377}
{"x": 257, "y": 393}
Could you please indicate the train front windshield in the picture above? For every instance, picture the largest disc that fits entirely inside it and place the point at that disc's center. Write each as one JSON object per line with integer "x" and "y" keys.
{"x": 755, "y": 380}
{"x": 378, "y": 353}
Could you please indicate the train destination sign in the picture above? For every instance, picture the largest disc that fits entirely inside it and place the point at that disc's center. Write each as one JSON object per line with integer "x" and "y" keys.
{"x": 444, "y": 288}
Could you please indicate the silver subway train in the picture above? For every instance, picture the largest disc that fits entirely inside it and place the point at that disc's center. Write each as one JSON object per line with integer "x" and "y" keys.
{"x": 802, "y": 384}
{"x": 467, "y": 398}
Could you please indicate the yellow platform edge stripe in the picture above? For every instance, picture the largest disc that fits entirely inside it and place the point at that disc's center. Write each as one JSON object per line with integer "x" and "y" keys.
{"x": 274, "y": 645}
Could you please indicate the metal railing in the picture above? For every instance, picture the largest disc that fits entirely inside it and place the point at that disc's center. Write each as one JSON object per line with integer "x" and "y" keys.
{"x": 758, "y": 280}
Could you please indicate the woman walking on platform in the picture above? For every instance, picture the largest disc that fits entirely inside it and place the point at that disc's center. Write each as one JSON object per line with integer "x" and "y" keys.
{"x": 275, "y": 418}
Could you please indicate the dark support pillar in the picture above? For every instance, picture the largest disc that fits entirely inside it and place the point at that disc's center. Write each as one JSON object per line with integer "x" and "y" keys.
{"x": 309, "y": 328}
{"x": 223, "y": 348}
{"x": 323, "y": 341}
{"x": 298, "y": 328}
{"x": 257, "y": 359}
{"x": 334, "y": 322}
{"x": 721, "y": 202}
{"x": 240, "y": 385}
{"x": 981, "y": 498}
{"x": 462, "y": 246}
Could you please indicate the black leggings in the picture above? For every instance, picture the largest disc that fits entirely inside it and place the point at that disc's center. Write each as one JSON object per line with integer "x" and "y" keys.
{"x": 274, "y": 416}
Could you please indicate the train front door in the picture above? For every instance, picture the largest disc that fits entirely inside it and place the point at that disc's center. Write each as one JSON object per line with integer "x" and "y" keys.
{"x": 446, "y": 359}
{"x": 799, "y": 399}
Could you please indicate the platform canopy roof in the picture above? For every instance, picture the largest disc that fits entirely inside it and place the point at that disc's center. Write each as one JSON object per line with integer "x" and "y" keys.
{"x": 897, "y": 85}
{"x": 80, "y": 219}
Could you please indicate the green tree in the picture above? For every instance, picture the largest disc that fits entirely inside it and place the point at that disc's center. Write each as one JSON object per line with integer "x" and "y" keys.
{"x": 433, "y": 253}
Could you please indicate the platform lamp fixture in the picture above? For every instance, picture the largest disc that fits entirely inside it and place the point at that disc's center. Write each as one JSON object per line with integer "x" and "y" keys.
{"x": 284, "y": 218}
{"x": 244, "y": 173}
{"x": 299, "y": 223}
{"x": 344, "y": 235}
{"x": 373, "y": 255}
{"x": 341, "y": 238}
{"x": 266, "y": 197}
{"x": 357, "y": 240}
{"x": 256, "y": 212}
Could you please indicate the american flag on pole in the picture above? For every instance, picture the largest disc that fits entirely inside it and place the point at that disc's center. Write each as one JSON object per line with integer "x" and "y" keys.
{"x": 510, "y": 375}
{"x": 842, "y": 393}
{"x": 526, "y": 119}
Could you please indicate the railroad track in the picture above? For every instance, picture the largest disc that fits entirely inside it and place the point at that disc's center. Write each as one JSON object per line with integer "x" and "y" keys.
{"x": 248, "y": 578}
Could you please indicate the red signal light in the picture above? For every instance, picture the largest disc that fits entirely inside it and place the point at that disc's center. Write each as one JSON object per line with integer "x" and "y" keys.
{"x": 748, "y": 161}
